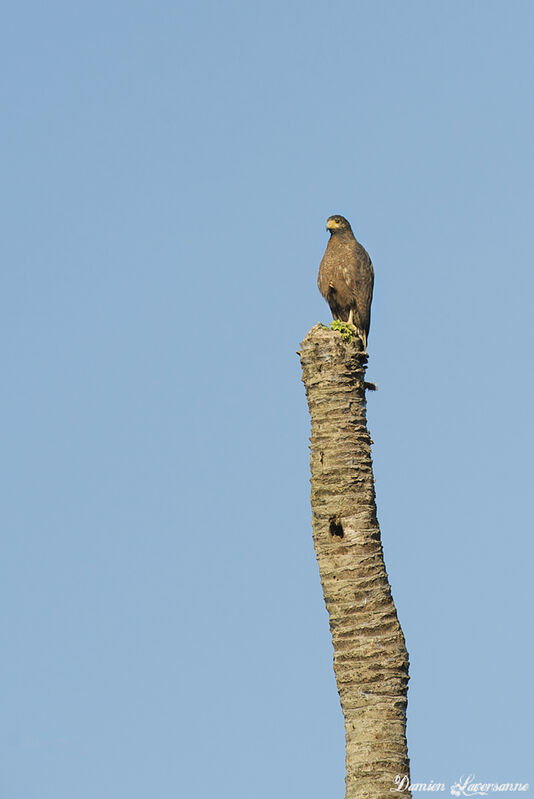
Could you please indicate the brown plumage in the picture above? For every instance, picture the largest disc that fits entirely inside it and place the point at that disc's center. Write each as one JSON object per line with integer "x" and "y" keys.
{"x": 346, "y": 277}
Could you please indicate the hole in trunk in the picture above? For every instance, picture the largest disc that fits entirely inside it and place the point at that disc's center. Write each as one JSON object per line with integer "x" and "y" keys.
{"x": 336, "y": 528}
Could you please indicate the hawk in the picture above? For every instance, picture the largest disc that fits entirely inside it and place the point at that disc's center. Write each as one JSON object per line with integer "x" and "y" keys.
{"x": 346, "y": 277}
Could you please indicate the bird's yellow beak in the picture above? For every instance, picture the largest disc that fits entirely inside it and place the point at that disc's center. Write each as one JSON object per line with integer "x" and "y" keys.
{"x": 331, "y": 224}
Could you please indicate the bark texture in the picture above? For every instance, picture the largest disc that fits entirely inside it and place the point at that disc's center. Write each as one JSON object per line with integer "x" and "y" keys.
{"x": 370, "y": 657}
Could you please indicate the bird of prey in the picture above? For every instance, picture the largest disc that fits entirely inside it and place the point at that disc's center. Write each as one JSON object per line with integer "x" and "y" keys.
{"x": 346, "y": 277}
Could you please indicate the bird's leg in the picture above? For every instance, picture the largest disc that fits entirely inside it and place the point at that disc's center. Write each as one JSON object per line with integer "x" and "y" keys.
{"x": 350, "y": 320}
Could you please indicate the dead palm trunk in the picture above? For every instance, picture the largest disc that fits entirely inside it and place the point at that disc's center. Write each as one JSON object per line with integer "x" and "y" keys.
{"x": 370, "y": 657}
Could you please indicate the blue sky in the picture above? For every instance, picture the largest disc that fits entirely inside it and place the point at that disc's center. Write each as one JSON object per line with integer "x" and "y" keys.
{"x": 168, "y": 169}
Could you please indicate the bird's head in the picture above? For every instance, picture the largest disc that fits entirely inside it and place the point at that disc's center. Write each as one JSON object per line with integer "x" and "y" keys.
{"x": 337, "y": 224}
